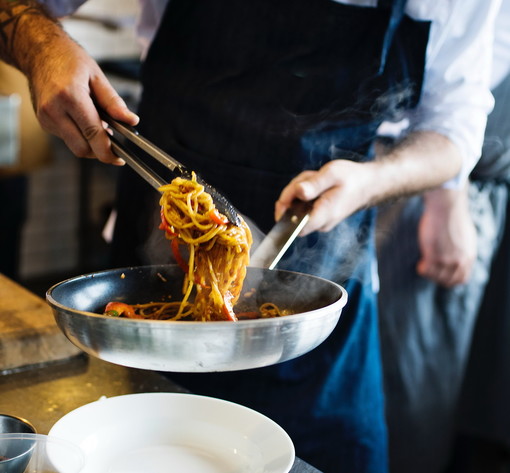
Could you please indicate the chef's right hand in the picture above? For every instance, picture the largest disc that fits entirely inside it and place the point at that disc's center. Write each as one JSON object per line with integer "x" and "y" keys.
{"x": 66, "y": 83}
{"x": 338, "y": 189}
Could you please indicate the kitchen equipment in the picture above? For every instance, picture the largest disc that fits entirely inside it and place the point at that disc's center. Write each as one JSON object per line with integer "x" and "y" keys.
{"x": 175, "y": 167}
{"x": 161, "y": 432}
{"x": 15, "y": 425}
{"x": 274, "y": 245}
{"x": 14, "y": 454}
{"x": 182, "y": 346}
{"x": 36, "y": 453}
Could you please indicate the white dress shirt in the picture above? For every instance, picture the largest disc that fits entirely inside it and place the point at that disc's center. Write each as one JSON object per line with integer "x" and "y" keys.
{"x": 456, "y": 94}
{"x": 501, "y": 63}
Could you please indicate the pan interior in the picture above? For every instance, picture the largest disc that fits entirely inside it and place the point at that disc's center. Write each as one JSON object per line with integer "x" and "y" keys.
{"x": 90, "y": 293}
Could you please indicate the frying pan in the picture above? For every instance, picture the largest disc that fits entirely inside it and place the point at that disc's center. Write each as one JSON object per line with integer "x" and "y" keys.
{"x": 180, "y": 346}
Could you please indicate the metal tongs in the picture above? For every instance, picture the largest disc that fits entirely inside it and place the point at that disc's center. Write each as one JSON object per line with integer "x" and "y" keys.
{"x": 273, "y": 246}
{"x": 175, "y": 167}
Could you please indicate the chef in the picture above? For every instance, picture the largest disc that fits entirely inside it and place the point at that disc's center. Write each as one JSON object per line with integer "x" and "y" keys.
{"x": 273, "y": 101}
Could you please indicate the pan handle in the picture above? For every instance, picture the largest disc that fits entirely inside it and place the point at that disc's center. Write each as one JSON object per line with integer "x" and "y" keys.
{"x": 272, "y": 248}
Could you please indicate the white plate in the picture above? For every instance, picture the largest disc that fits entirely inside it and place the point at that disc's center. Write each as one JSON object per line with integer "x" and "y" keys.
{"x": 174, "y": 432}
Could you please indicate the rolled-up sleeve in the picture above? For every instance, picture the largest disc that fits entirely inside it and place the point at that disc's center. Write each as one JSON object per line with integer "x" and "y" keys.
{"x": 60, "y": 8}
{"x": 456, "y": 97}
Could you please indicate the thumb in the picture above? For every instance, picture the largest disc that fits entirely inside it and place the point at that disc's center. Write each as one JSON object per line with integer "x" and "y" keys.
{"x": 111, "y": 102}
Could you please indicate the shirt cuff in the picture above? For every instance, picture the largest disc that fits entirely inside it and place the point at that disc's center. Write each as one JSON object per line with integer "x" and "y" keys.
{"x": 60, "y": 8}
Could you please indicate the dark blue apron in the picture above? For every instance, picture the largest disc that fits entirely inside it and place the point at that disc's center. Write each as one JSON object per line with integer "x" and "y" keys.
{"x": 249, "y": 94}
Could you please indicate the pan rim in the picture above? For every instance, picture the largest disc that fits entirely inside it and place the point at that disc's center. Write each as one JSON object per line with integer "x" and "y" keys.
{"x": 339, "y": 304}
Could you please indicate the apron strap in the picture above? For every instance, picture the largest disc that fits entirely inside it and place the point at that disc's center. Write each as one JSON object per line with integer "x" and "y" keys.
{"x": 397, "y": 8}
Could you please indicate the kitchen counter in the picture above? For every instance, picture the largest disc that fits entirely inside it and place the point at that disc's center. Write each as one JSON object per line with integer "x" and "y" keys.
{"x": 43, "y": 394}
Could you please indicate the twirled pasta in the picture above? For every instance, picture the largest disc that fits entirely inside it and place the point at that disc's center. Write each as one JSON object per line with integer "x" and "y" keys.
{"x": 217, "y": 255}
{"x": 217, "y": 250}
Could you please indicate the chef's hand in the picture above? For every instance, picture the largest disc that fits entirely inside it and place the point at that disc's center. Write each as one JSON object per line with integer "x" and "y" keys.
{"x": 423, "y": 160}
{"x": 447, "y": 238}
{"x": 65, "y": 82}
{"x": 340, "y": 187}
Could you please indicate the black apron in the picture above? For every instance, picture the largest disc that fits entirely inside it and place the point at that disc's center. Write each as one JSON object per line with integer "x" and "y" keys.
{"x": 249, "y": 94}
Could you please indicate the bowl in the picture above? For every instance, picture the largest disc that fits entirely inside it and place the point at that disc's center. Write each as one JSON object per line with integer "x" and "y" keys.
{"x": 162, "y": 432}
{"x": 15, "y": 455}
{"x": 37, "y": 453}
{"x": 15, "y": 425}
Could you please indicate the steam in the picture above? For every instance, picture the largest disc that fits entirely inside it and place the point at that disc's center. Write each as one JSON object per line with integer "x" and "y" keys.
{"x": 344, "y": 252}
{"x": 336, "y": 255}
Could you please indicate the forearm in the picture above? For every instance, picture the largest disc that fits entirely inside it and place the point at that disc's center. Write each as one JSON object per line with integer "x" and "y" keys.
{"x": 67, "y": 85}
{"x": 446, "y": 233}
{"x": 341, "y": 187}
{"x": 26, "y": 30}
{"x": 422, "y": 161}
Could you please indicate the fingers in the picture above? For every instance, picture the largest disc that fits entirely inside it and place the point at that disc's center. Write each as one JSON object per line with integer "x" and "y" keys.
{"x": 108, "y": 99}
{"x": 81, "y": 129}
{"x": 91, "y": 136}
{"x": 338, "y": 189}
{"x": 296, "y": 189}
{"x": 307, "y": 186}
{"x": 93, "y": 128}
{"x": 445, "y": 273}
{"x": 326, "y": 212}
{"x": 71, "y": 113}
{"x": 447, "y": 238}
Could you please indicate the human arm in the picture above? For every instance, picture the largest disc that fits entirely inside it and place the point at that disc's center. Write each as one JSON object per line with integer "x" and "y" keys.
{"x": 456, "y": 97}
{"x": 421, "y": 161}
{"x": 65, "y": 82}
{"x": 446, "y": 232}
{"x": 453, "y": 102}
{"x": 445, "y": 131}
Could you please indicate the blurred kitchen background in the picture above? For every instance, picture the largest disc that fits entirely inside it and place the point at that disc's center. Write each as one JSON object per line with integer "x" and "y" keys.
{"x": 69, "y": 199}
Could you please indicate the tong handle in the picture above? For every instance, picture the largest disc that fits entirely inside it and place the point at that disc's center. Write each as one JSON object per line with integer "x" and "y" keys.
{"x": 144, "y": 144}
{"x": 154, "y": 179}
{"x": 276, "y": 243}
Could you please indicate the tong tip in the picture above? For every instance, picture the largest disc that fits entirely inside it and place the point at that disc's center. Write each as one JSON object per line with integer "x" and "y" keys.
{"x": 223, "y": 205}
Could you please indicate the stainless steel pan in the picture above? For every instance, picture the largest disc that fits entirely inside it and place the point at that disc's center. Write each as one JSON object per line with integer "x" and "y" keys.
{"x": 181, "y": 346}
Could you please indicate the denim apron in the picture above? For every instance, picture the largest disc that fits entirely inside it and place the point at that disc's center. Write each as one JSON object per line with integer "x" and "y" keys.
{"x": 249, "y": 94}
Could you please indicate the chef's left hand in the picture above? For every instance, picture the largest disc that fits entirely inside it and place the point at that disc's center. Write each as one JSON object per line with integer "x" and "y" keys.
{"x": 340, "y": 187}
{"x": 446, "y": 237}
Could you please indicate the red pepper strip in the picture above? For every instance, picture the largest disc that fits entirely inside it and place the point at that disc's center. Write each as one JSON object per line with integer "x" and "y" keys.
{"x": 178, "y": 257}
{"x": 182, "y": 264}
{"x": 218, "y": 218}
{"x": 118, "y": 309}
{"x": 227, "y": 308}
{"x": 164, "y": 225}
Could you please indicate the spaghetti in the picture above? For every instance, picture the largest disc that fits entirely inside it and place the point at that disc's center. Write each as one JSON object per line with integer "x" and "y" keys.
{"x": 212, "y": 252}
{"x": 217, "y": 250}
